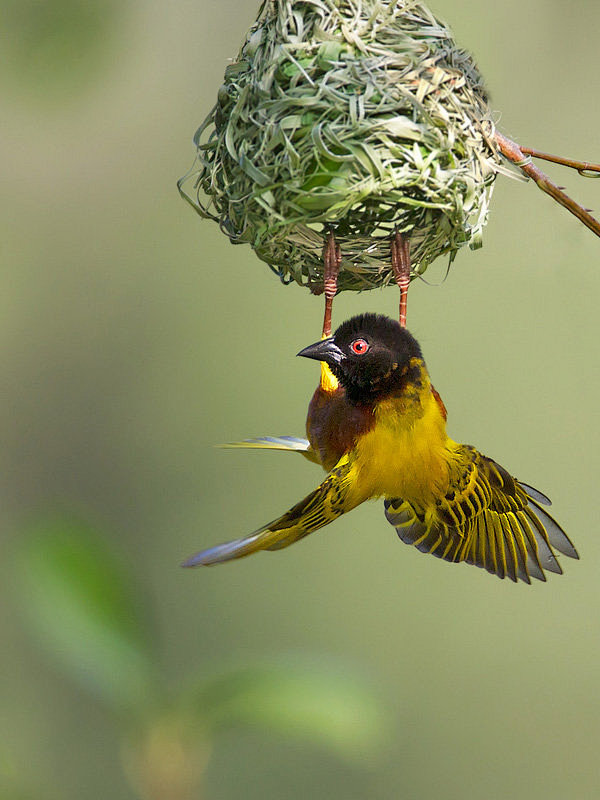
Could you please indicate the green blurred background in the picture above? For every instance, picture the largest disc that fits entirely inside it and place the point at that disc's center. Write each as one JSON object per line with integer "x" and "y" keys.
{"x": 134, "y": 337}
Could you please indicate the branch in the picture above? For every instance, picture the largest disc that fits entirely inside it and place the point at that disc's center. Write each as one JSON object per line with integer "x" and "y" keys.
{"x": 521, "y": 157}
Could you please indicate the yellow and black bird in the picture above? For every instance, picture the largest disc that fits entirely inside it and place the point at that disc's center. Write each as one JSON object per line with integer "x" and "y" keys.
{"x": 378, "y": 427}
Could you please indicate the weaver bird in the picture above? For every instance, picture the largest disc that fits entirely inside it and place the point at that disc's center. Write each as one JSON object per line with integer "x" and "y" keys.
{"x": 379, "y": 430}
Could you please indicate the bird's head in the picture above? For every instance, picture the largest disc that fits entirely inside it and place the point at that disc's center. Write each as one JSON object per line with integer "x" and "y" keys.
{"x": 371, "y": 355}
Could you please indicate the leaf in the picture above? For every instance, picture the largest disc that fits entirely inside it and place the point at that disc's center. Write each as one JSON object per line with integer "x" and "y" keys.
{"x": 325, "y": 704}
{"x": 401, "y": 127}
{"x": 79, "y": 603}
{"x": 329, "y": 53}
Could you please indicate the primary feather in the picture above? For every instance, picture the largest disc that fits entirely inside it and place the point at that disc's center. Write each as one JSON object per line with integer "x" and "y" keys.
{"x": 379, "y": 428}
{"x": 289, "y": 444}
{"x": 336, "y": 495}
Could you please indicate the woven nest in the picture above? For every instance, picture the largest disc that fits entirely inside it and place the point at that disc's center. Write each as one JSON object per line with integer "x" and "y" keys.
{"x": 361, "y": 116}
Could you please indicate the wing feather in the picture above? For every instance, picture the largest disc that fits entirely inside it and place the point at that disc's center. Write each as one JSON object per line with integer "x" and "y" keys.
{"x": 546, "y": 558}
{"x": 495, "y": 528}
{"x": 290, "y": 444}
{"x": 490, "y": 519}
{"x": 535, "y": 494}
{"x": 509, "y": 547}
{"x": 327, "y": 502}
{"x": 555, "y": 534}
{"x": 520, "y": 546}
{"x": 533, "y": 566}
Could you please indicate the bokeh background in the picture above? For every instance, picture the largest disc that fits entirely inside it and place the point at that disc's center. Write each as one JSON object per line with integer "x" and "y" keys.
{"x": 134, "y": 337}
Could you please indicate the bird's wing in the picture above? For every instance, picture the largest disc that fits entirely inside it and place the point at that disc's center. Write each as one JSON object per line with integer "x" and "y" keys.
{"x": 290, "y": 444}
{"x": 336, "y": 495}
{"x": 488, "y": 519}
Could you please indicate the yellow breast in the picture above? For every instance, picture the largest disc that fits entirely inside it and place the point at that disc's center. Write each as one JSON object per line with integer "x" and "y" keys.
{"x": 406, "y": 453}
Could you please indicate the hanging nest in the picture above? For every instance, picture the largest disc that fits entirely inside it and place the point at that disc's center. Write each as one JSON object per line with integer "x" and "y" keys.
{"x": 361, "y": 116}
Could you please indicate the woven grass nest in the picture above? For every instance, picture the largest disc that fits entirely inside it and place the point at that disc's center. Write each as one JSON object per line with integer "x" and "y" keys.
{"x": 357, "y": 116}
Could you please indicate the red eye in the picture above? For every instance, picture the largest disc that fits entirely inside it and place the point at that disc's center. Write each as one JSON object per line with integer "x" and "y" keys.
{"x": 359, "y": 346}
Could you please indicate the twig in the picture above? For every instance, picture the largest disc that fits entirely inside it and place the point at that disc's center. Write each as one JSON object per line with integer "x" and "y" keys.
{"x": 582, "y": 167}
{"x": 521, "y": 157}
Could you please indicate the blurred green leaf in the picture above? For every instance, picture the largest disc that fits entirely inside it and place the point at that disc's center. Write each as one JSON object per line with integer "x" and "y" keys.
{"x": 322, "y": 703}
{"x": 79, "y": 603}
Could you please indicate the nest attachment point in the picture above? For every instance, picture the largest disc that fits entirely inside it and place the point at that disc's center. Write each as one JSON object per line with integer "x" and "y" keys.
{"x": 358, "y": 116}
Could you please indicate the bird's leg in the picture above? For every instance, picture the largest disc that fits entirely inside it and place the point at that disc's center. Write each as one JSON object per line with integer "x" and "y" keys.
{"x": 401, "y": 269}
{"x": 332, "y": 259}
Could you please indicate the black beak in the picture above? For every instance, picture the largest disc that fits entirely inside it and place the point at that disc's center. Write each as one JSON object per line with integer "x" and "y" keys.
{"x": 326, "y": 350}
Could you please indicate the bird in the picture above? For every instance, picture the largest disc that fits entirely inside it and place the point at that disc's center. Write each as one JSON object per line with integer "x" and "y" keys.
{"x": 379, "y": 431}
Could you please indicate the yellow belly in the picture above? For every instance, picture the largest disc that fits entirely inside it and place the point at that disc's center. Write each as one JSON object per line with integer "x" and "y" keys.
{"x": 406, "y": 454}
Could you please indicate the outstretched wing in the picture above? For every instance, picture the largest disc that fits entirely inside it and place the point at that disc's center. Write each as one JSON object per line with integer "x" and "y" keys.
{"x": 336, "y": 495}
{"x": 291, "y": 444}
{"x": 489, "y": 519}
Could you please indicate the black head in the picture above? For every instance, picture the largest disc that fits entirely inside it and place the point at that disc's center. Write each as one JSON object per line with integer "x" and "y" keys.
{"x": 369, "y": 354}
